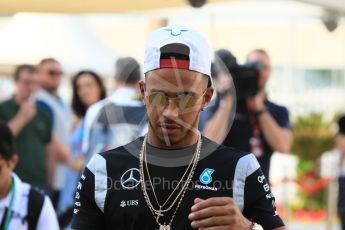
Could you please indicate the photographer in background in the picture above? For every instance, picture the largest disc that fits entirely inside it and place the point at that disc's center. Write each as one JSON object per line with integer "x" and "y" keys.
{"x": 260, "y": 126}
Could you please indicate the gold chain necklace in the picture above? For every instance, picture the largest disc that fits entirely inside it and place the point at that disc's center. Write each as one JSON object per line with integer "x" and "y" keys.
{"x": 158, "y": 213}
{"x": 181, "y": 180}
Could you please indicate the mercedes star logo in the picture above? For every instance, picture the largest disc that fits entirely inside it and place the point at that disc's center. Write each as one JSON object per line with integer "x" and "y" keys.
{"x": 129, "y": 178}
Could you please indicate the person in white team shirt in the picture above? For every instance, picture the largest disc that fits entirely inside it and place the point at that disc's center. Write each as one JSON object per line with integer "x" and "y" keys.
{"x": 123, "y": 112}
{"x": 21, "y": 206}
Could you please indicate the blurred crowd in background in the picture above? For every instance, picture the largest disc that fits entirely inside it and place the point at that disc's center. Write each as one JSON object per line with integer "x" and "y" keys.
{"x": 54, "y": 140}
{"x": 292, "y": 122}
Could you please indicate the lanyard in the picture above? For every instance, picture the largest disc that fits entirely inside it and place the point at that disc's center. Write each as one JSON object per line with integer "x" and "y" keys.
{"x": 7, "y": 215}
{"x": 255, "y": 141}
{"x": 254, "y": 122}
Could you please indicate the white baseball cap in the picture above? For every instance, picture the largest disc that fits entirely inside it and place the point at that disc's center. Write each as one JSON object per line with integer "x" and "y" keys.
{"x": 189, "y": 43}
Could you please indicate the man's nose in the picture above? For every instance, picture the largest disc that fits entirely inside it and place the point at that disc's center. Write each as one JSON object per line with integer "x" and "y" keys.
{"x": 171, "y": 110}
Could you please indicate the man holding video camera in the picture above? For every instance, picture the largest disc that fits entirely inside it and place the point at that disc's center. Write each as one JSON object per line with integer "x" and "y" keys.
{"x": 260, "y": 126}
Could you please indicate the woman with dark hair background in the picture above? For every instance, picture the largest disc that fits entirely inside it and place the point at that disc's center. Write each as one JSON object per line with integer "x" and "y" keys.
{"x": 88, "y": 89}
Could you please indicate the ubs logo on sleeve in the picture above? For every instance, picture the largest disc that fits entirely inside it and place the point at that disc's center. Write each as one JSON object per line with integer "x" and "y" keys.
{"x": 129, "y": 203}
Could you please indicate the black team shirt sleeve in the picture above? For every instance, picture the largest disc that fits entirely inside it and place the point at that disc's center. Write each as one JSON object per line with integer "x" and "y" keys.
{"x": 259, "y": 202}
{"x": 86, "y": 214}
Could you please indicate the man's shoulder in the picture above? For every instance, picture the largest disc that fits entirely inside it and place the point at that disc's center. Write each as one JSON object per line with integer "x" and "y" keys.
{"x": 96, "y": 109}
{"x": 280, "y": 113}
{"x": 242, "y": 160}
{"x": 8, "y": 109}
{"x": 45, "y": 111}
{"x": 44, "y": 97}
{"x": 272, "y": 106}
{"x": 93, "y": 110}
{"x": 113, "y": 100}
{"x": 98, "y": 105}
{"x": 43, "y": 105}
{"x": 112, "y": 114}
{"x": 224, "y": 152}
{"x": 54, "y": 102}
{"x": 25, "y": 189}
{"x": 4, "y": 104}
{"x": 129, "y": 151}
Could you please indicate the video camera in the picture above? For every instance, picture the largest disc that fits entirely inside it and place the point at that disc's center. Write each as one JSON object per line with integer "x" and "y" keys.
{"x": 245, "y": 77}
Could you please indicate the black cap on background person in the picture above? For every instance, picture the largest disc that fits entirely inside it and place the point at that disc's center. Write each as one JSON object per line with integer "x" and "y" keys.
{"x": 7, "y": 146}
{"x": 8, "y": 159}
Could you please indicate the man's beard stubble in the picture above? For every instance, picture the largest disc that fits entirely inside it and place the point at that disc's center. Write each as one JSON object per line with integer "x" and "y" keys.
{"x": 185, "y": 131}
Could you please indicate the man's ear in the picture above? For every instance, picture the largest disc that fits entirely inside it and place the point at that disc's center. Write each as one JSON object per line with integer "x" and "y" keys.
{"x": 208, "y": 96}
{"x": 13, "y": 161}
{"x": 142, "y": 88}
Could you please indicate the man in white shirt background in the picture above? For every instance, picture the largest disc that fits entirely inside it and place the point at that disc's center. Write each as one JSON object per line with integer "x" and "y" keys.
{"x": 122, "y": 112}
{"x": 50, "y": 78}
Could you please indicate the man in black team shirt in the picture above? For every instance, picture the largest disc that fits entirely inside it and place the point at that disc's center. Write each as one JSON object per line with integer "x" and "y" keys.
{"x": 174, "y": 178}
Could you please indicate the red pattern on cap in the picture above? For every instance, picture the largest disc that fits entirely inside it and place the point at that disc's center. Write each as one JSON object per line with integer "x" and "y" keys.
{"x": 174, "y": 63}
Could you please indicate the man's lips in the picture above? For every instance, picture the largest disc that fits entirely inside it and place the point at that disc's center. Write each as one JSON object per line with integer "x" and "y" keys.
{"x": 169, "y": 126}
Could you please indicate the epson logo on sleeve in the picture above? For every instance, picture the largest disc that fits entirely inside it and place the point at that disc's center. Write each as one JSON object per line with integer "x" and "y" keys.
{"x": 261, "y": 179}
{"x": 79, "y": 186}
{"x": 266, "y": 187}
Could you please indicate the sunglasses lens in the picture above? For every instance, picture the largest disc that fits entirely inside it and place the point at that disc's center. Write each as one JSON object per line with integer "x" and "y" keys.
{"x": 157, "y": 99}
{"x": 54, "y": 73}
{"x": 186, "y": 101}
{"x": 183, "y": 101}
